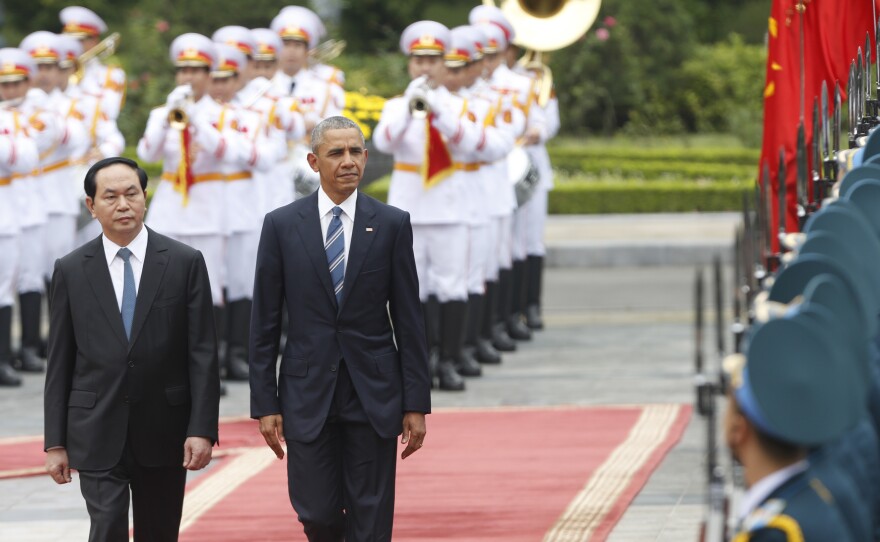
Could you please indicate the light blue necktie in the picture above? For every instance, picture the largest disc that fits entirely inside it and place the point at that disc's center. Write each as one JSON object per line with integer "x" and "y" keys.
{"x": 129, "y": 295}
{"x": 335, "y": 248}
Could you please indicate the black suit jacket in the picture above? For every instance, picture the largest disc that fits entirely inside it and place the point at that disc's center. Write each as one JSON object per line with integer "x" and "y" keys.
{"x": 388, "y": 365}
{"x": 157, "y": 389}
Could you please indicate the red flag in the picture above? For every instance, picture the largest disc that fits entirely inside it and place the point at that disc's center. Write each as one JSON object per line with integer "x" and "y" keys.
{"x": 833, "y": 31}
{"x": 184, "y": 179}
{"x": 437, "y": 164}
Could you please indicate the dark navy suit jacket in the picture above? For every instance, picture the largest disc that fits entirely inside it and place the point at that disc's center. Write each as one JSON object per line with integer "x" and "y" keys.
{"x": 377, "y": 328}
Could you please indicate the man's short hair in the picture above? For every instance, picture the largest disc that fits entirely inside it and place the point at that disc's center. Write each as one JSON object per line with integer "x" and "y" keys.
{"x": 91, "y": 186}
{"x": 332, "y": 123}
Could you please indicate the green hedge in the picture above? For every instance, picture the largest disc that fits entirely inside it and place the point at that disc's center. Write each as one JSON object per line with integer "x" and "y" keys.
{"x": 581, "y": 196}
{"x": 659, "y": 169}
{"x": 739, "y": 156}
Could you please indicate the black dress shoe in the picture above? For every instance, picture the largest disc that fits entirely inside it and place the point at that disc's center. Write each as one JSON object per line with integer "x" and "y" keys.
{"x": 433, "y": 363}
{"x": 501, "y": 340}
{"x": 467, "y": 365}
{"x": 29, "y": 361}
{"x": 222, "y": 389}
{"x": 486, "y": 353}
{"x": 448, "y": 378}
{"x": 237, "y": 366}
{"x": 8, "y": 377}
{"x": 533, "y": 317}
{"x": 517, "y": 329}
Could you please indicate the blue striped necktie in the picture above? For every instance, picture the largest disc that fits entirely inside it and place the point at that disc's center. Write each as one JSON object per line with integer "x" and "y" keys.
{"x": 335, "y": 248}
{"x": 129, "y": 295}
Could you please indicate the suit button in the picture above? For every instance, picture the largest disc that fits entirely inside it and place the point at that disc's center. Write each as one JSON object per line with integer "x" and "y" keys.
{"x": 125, "y": 399}
{"x": 130, "y": 363}
{"x": 333, "y": 368}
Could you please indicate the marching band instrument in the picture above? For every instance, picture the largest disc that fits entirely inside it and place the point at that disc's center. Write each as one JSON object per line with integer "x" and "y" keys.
{"x": 177, "y": 115}
{"x": 522, "y": 174}
{"x": 326, "y": 51}
{"x": 418, "y": 103}
{"x": 105, "y": 48}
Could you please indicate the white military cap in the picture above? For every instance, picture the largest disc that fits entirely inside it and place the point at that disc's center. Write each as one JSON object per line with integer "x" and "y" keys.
{"x": 71, "y": 48}
{"x": 43, "y": 47}
{"x": 192, "y": 50}
{"x": 80, "y": 22}
{"x": 494, "y": 15}
{"x": 230, "y": 60}
{"x": 425, "y": 38}
{"x": 494, "y": 38}
{"x": 269, "y": 44}
{"x": 462, "y": 48}
{"x": 237, "y": 36}
{"x": 299, "y": 24}
{"x": 306, "y": 12}
{"x": 476, "y": 35}
{"x": 15, "y": 65}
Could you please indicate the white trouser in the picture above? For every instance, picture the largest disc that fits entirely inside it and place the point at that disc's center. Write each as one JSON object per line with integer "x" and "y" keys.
{"x": 534, "y": 214}
{"x": 32, "y": 259}
{"x": 518, "y": 243}
{"x": 441, "y": 252}
{"x": 241, "y": 264}
{"x": 212, "y": 249}
{"x": 88, "y": 232}
{"x": 60, "y": 239}
{"x": 8, "y": 269}
{"x": 505, "y": 242}
{"x": 479, "y": 247}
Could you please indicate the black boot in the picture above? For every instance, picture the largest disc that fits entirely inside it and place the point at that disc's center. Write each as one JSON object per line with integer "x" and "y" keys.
{"x": 220, "y": 330}
{"x": 239, "y": 316}
{"x": 450, "y": 345}
{"x": 29, "y": 359}
{"x": 466, "y": 363}
{"x": 8, "y": 376}
{"x": 431, "y": 314}
{"x": 534, "y": 271}
{"x": 486, "y": 353}
{"x": 500, "y": 339}
{"x": 516, "y": 327}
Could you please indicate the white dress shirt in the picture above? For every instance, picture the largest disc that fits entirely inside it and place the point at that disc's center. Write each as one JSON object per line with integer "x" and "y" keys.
{"x": 325, "y": 212}
{"x": 762, "y": 489}
{"x": 138, "y": 248}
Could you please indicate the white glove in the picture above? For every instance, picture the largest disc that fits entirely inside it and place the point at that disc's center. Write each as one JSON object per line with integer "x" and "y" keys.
{"x": 205, "y": 135}
{"x": 178, "y": 98}
{"x": 446, "y": 121}
{"x": 5, "y": 149}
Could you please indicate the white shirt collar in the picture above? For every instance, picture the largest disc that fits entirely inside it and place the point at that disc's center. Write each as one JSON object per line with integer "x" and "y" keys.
{"x": 325, "y": 204}
{"x": 138, "y": 246}
{"x": 762, "y": 489}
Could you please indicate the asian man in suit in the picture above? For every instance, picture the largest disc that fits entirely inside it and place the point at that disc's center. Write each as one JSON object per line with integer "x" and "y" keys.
{"x": 132, "y": 384}
{"x": 354, "y": 371}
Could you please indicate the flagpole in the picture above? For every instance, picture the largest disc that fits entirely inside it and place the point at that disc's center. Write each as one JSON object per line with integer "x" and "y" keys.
{"x": 801, "y": 8}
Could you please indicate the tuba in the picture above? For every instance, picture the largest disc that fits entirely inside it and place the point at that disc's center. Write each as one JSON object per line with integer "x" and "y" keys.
{"x": 105, "y": 48}
{"x": 546, "y": 25}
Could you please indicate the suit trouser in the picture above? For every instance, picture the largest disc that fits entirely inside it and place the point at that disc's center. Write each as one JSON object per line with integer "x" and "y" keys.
{"x": 156, "y": 495}
{"x": 341, "y": 485}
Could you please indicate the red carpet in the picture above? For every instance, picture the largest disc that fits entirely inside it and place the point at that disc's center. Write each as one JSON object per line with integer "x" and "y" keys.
{"x": 484, "y": 475}
{"x": 507, "y": 474}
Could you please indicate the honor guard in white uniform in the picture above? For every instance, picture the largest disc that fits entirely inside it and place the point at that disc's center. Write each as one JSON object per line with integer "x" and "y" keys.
{"x": 58, "y": 163}
{"x": 18, "y": 156}
{"x": 104, "y": 137}
{"x": 325, "y": 72}
{"x": 299, "y": 29}
{"x": 194, "y": 141}
{"x": 34, "y": 197}
{"x": 496, "y": 143}
{"x": 107, "y": 82}
{"x": 521, "y": 90}
{"x": 244, "y": 212}
{"x": 428, "y": 131}
{"x": 534, "y": 211}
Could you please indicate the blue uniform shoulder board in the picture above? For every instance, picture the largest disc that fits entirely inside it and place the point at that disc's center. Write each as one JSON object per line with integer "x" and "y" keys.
{"x": 770, "y": 516}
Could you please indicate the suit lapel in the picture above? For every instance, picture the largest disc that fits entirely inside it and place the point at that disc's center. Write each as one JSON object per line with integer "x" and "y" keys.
{"x": 362, "y": 235}
{"x": 98, "y": 275}
{"x": 309, "y": 229}
{"x": 155, "y": 263}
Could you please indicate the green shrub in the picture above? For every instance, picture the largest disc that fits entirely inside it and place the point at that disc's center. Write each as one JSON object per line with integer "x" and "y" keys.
{"x": 569, "y": 153}
{"x": 663, "y": 169}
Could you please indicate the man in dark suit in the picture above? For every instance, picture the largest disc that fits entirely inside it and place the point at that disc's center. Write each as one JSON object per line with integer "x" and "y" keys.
{"x": 132, "y": 383}
{"x": 354, "y": 372}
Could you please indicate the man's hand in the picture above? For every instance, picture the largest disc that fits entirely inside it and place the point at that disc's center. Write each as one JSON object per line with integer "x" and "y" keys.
{"x": 533, "y": 136}
{"x": 196, "y": 453}
{"x": 57, "y": 465}
{"x": 272, "y": 429}
{"x": 413, "y": 433}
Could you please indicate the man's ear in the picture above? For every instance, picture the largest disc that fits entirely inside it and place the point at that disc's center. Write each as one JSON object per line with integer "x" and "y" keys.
{"x": 90, "y": 205}
{"x": 313, "y": 161}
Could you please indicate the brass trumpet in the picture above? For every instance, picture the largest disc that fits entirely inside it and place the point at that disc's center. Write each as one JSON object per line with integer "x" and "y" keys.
{"x": 177, "y": 116}
{"x": 418, "y": 103}
{"x": 105, "y": 48}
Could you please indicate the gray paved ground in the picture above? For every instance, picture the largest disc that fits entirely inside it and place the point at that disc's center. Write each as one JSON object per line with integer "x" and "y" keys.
{"x": 615, "y": 335}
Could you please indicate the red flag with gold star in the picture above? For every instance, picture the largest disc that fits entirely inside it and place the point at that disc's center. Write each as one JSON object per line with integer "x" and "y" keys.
{"x": 833, "y": 31}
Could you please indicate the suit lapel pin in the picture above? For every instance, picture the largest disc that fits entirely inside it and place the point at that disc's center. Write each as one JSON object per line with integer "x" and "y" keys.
{"x": 369, "y": 229}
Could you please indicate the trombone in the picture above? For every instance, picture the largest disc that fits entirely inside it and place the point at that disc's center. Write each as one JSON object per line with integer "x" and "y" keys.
{"x": 105, "y": 48}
